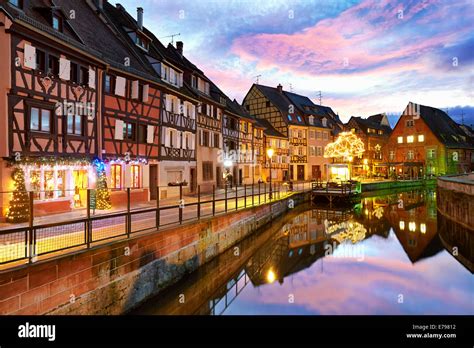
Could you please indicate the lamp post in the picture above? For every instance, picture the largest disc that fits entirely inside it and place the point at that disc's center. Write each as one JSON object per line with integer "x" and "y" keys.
{"x": 270, "y": 152}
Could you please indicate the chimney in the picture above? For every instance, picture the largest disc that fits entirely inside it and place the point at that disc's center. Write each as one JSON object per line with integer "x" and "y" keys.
{"x": 280, "y": 88}
{"x": 179, "y": 47}
{"x": 140, "y": 17}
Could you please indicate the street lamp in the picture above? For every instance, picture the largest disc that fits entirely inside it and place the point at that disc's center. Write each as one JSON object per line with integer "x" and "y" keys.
{"x": 270, "y": 152}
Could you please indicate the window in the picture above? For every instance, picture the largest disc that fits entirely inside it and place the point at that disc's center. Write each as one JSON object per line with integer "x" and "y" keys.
{"x": 17, "y": 3}
{"x": 109, "y": 85}
{"x": 312, "y": 151}
{"x": 267, "y": 104}
{"x": 410, "y": 155}
{"x": 129, "y": 131}
{"x": 53, "y": 65}
{"x": 410, "y": 123}
{"x": 216, "y": 140}
{"x": 311, "y": 134}
{"x": 40, "y": 120}
{"x": 57, "y": 23}
{"x": 400, "y": 140}
{"x": 319, "y": 151}
{"x": 116, "y": 176}
{"x": 40, "y": 60}
{"x": 391, "y": 155}
{"x": 246, "y": 171}
{"x": 83, "y": 75}
{"x": 325, "y": 135}
{"x": 143, "y": 43}
{"x": 207, "y": 172}
{"x": 410, "y": 139}
{"x": 135, "y": 176}
{"x": 380, "y": 132}
{"x": 74, "y": 125}
{"x": 431, "y": 153}
{"x": 325, "y": 122}
{"x": 142, "y": 133}
{"x": 299, "y": 118}
{"x": 290, "y": 118}
{"x": 205, "y": 138}
{"x": 194, "y": 82}
{"x": 421, "y": 138}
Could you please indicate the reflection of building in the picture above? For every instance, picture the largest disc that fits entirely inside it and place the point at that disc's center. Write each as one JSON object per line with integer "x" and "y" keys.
{"x": 426, "y": 140}
{"x": 374, "y": 131}
{"x": 413, "y": 219}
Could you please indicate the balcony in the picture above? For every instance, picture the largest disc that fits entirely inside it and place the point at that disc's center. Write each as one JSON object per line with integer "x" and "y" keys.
{"x": 177, "y": 154}
{"x": 298, "y": 141}
{"x": 209, "y": 122}
{"x": 299, "y": 159}
{"x": 178, "y": 121}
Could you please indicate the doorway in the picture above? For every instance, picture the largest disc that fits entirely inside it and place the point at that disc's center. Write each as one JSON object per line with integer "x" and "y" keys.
{"x": 218, "y": 176}
{"x": 240, "y": 176}
{"x": 300, "y": 173}
{"x": 316, "y": 172}
{"x": 192, "y": 179}
{"x": 153, "y": 181}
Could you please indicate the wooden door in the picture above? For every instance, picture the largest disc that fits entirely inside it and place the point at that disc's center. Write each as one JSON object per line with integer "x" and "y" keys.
{"x": 153, "y": 181}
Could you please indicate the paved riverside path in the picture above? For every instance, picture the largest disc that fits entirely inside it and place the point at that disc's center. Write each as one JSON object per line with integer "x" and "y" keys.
{"x": 72, "y": 233}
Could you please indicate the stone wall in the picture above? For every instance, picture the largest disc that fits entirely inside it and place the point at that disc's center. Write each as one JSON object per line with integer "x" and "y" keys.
{"x": 113, "y": 278}
{"x": 455, "y": 199}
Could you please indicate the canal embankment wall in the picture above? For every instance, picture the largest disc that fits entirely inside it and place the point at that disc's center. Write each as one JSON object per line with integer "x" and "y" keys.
{"x": 390, "y": 185}
{"x": 115, "y": 277}
{"x": 455, "y": 198}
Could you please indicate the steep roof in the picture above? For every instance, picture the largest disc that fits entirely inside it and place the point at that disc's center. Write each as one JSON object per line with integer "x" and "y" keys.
{"x": 281, "y": 101}
{"x": 373, "y": 122}
{"x": 444, "y": 127}
{"x": 268, "y": 129}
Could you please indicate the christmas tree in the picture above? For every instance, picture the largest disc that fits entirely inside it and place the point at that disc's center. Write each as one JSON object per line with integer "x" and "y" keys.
{"x": 19, "y": 209}
{"x": 102, "y": 193}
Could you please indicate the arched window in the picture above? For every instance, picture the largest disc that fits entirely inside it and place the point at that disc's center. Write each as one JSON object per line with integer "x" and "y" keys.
{"x": 116, "y": 176}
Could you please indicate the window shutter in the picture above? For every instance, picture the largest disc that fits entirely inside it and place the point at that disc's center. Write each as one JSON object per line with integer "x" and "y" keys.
{"x": 167, "y": 136}
{"x": 135, "y": 86}
{"x": 200, "y": 138}
{"x": 168, "y": 102}
{"x": 146, "y": 92}
{"x": 176, "y": 139}
{"x": 211, "y": 140}
{"x": 64, "y": 69}
{"x": 30, "y": 56}
{"x": 120, "y": 86}
{"x": 91, "y": 77}
{"x": 150, "y": 134}
{"x": 118, "y": 130}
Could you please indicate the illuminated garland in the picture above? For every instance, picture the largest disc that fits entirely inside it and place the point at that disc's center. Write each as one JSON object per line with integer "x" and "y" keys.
{"x": 49, "y": 161}
{"x": 347, "y": 146}
{"x": 19, "y": 208}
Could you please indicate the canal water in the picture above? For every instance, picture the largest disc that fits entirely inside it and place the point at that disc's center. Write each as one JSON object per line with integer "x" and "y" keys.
{"x": 392, "y": 253}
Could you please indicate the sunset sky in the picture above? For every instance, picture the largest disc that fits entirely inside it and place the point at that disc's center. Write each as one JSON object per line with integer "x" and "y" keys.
{"x": 365, "y": 56}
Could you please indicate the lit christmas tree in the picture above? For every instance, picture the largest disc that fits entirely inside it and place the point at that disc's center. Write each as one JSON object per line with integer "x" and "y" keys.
{"x": 103, "y": 201}
{"x": 19, "y": 209}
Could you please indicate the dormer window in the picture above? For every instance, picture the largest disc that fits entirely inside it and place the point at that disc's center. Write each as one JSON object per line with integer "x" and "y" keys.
{"x": 17, "y": 3}
{"x": 194, "y": 82}
{"x": 57, "y": 23}
{"x": 325, "y": 122}
{"x": 141, "y": 42}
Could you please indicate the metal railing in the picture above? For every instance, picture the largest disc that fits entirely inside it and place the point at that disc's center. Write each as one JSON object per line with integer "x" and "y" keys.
{"x": 27, "y": 241}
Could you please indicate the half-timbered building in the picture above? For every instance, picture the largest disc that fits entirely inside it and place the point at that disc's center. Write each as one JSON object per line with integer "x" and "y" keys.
{"x": 174, "y": 105}
{"x": 289, "y": 114}
{"x": 51, "y": 109}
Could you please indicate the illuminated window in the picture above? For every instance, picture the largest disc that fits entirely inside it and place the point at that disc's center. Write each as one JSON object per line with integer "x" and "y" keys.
{"x": 410, "y": 155}
{"x": 400, "y": 140}
{"x": 421, "y": 138}
{"x": 410, "y": 139}
{"x": 423, "y": 228}
{"x": 116, "y": 176}
{"x": 402, "y": 225}
{"x": 135, "y": 178}
{"x": 412, "y": 226}
{"x": 391, "y": 155}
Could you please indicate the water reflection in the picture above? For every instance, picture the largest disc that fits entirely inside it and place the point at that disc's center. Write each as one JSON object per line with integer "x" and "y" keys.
{"x": 384, "y": 256}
